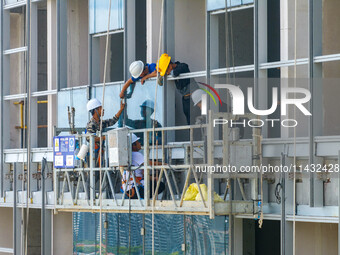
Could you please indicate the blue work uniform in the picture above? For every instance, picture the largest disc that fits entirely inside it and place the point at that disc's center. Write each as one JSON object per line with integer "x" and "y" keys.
{"x": 151, "y": 67}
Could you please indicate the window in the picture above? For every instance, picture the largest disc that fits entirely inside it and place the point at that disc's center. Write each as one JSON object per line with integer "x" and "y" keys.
{"x": 99, "y": 15}
{"x": 220, "y": 4}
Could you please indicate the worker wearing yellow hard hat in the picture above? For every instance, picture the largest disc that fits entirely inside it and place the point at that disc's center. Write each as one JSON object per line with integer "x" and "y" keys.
{"x": 165, "y": 66}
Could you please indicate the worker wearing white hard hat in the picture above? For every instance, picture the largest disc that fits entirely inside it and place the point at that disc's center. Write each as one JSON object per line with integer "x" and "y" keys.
{"x": 94, "y": 106}
{"x": 139, "y": 71}
{"x": 196, "y": 97}
{"x": 128, "y": 185}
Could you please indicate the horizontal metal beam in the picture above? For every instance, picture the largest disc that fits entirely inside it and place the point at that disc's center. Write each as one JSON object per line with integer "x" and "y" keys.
{"x": 6, "y": 250}
{"x": 118, "y": 31}
{"x": 327, "y": 58}
{"x": 236, "y": 69}
{"x": 278, "y": 64}
{"x": 326, "y": 146}
{"x": 233, "y": 9}
{"x": 167, "y": 207}
{"x": 15, "y": 50}
{"x": 34, "y": 94}
{"x": 14, "y": 5}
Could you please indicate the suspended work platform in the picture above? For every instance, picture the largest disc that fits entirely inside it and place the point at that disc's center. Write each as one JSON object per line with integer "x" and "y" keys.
{"x": 186, "y": 155}
{"x": 199, "y": 159}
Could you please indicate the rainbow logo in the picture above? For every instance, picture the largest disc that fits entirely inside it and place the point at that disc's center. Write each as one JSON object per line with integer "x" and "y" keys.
{"x": 210, "y": 94}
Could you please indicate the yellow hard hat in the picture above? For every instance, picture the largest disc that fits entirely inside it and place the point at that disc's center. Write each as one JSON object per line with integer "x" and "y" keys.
{"x": 163, "y": 63}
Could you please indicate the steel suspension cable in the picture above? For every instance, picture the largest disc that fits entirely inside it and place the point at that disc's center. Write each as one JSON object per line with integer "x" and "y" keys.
{"x": 29, "y": 83}
{"x": 101, "y": 129}
{"x": 153, "y": 130}
{"x": 294, "y": 160}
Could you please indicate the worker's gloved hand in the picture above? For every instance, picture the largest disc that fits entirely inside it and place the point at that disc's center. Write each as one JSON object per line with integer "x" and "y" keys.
{"x": 129, "y": 95}
{"x": 131, "y": 89}
{"x": 200, "y": 120}
{"x": 160, "y": 81}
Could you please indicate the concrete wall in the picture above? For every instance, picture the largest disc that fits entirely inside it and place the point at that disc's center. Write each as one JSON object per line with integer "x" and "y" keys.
{"x": 330, "y": 45}
{"x": 287, "y": 26}
{"x": 190, "y": 33}
{"x": 62, "y": 234}
{"x": 316, "y": 238}
{"x": 17, "y": 80}
{"x": 17, "y": 21}
{"x": 6, "y": 226}
{"x": 77, "y": 43}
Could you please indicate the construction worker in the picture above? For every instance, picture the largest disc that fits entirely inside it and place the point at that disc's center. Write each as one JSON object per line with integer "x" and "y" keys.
{"x": 138, "y": 160}
{"x": 94, "y": 106}
{"x": 138, "y": 71}
{"x": 196, "y": 97}
{"x": 184, "y": 86}
{"x": 147, "y": 109}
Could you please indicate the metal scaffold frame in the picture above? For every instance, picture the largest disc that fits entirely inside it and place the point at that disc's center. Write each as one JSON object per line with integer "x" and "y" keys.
{"x": 81, "y": 196}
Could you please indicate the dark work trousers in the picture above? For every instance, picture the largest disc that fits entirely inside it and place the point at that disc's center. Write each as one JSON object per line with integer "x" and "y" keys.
{"x": 141, "y": 190}
{"x": 186, "y": 107}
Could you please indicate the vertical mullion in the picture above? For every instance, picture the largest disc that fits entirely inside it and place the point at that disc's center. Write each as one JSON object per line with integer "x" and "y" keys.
{"x": 1, "y": 99}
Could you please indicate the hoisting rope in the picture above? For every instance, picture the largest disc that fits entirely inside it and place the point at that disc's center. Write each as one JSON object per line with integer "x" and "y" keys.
{"x": 28, "y": 105}
{"x": 294, "y": 160}
{"x": 153, "y": 130}
{"x": 100, "y": 132}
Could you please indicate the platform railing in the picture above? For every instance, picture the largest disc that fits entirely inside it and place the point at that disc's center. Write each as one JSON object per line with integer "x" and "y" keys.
{"x": 78, "y": 189}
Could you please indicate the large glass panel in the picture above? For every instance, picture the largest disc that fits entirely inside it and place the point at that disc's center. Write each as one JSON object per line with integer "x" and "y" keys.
{"x": 206, "y": 236}
{"x": 239, "y": 48}
{"x": 169, "y": 234}
{"x": 111, "y": 100}
{"x": 99, "y": 13}
{"x": 139, "y": 95}
{"x": 78, "y": 100}
{"x": 42, "y": 49}
{"x": 220, "y": 4}
{"x": 202, "y": 235}
{"x": 115, "y": 58}
{"x": 42, "y": 111}
{"x": 142, "y": 93}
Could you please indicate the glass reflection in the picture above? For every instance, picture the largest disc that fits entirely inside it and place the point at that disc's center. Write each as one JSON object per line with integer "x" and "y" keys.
{"x": 111, "y": 100}
{"x": 74, "y": 98}
{"x": 220, "y": 4}
{"x": 201, "y": 234}
{"x": 141, "y": 111}
{"x": 99, "y": 15}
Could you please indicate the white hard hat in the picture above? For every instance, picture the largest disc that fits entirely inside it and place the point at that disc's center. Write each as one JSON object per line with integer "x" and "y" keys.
{"x": 196, "y": 96}
{"x": 134, "y": 138}
{"x": 93, "y": 104}
{"x": 148, "y": 103}
{"x": 136, "y": 68}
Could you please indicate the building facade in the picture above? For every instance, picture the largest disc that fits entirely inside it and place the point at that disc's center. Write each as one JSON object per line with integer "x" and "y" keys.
{"x": 52, "y": 61}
